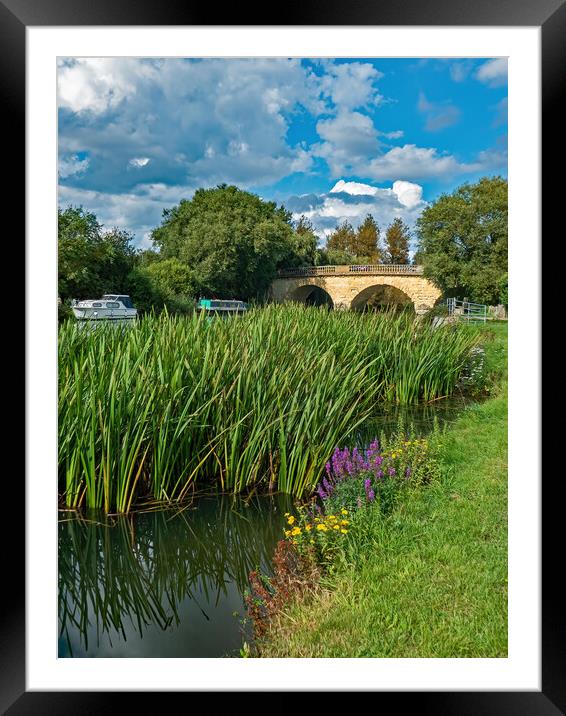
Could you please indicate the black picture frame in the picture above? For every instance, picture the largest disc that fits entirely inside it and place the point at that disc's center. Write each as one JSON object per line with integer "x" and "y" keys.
{"x": 550, "y": 15}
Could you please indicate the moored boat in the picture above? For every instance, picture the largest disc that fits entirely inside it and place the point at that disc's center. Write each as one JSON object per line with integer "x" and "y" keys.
{"x": 111, "y": 307}
{"x": 213, "y": 306}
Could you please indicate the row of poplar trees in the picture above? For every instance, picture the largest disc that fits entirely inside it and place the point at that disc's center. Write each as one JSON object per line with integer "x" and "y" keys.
{"x": 366, "y": 242}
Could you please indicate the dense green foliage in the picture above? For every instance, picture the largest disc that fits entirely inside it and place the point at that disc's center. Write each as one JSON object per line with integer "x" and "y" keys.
{"x": 231, "y": 240}
{"x": 91, "y": 262}
{"x": 427, "y": 579}
{"x": 258, "y": 400}
{"x": 463, "y": 241}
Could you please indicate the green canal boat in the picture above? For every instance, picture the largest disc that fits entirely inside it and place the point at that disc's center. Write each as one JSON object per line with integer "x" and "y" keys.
{"x": 218, "y": 307}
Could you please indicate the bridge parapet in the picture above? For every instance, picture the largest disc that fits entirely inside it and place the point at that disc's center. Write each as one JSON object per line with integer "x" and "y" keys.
{"x": 368, "y": 270}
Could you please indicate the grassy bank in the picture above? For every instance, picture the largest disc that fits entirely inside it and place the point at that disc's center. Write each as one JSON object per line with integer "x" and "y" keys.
{"x": 259, "y": 402}
{"x": 430, "y": 579}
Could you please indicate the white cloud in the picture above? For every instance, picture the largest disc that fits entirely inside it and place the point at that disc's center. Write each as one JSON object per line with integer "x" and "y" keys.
{"x": 197, "y": 121}
{"x": 349, "y": 138}
{"x": 142, "y": 208}
{"x": 354, "y": 188}
{"x": 493, "y": 72}
{"x": 409, "y": 194}
{"x": 353, "y": 201}
{"x": 412, "y": 162}
{"x": 139, "y": 162}
{"x": 72, "y": 166}
{"x": 351, "y": 85}
{"x": 99, "y": 84}
{"x": 397, "y": 134}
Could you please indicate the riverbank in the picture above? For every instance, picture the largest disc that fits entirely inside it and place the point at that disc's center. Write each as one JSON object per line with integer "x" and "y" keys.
{"x": 177, "y": 404}
{"x": 430, "y": 579}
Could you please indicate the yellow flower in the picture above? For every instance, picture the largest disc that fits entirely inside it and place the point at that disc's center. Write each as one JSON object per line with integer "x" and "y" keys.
{"x": 308, "y": 528}
{"x": 345, "y": 522}
{"x": 331, "y": 517}
{"x": 322, "y": 528}
{"x": 291, "y": 520}
{"x": 296, "y": 531}
{"x": 344, "y": 511}
{"x": 335, "y": 527}
{"x": 344, "y": 532}
{"x": 287, "y": 533}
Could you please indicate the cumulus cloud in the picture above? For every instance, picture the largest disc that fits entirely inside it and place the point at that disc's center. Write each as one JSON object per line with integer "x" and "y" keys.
{"x": 354, "y": 188}
{"x": 408, "y": 194}
{"x": 137, "y": 135}
{"x": 353, "y": 201}
{"x": 99, "y": 84}
{"x": 351, "y": 85}
{"x": 139, "y": 162}
{"x": 349, "y": 138}
{"x": 412, "y": 162}
{"x": 72, "y": 165}
{"x": 140, "y": 209}
{"x": 493, "y": 72}
{"x": 192, "y": 120}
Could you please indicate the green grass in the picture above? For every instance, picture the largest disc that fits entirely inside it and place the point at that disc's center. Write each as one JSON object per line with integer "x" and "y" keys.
{"x": 430, "y": 580}
{"x": 171, "y": 404}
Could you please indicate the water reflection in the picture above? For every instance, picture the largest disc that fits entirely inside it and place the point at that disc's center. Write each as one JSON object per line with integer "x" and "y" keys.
{"x": 419, "y": 419}
{"x": 163, "y": 584}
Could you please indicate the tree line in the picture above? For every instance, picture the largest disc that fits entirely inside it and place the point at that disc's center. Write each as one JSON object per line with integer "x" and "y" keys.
{"x": 229, "y": 243}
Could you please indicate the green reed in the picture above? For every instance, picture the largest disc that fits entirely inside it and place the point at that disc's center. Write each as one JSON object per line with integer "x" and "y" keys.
{"x": 260, "y": 400}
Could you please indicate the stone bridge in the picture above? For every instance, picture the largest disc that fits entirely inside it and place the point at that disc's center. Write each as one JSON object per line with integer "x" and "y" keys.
{"x": 353, "y": 286}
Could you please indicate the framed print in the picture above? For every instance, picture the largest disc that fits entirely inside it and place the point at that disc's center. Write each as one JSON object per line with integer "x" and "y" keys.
{"x": 107, "y": 161}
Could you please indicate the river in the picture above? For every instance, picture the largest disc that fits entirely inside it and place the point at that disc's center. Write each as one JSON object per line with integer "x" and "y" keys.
{"x": 171, "y": 583}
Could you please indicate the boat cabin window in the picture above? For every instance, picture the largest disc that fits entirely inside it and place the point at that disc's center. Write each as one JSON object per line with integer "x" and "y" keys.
{"x": 126, "y": 300}
{"x": 97, "y": 305}
{"x": 112, "y": 304}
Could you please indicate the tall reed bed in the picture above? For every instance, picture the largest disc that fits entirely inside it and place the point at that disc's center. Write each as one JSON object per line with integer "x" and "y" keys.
{"x": 261, "y": 400}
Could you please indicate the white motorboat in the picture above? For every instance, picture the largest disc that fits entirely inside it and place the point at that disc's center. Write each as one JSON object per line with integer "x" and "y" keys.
{"x": 111, "y": 307}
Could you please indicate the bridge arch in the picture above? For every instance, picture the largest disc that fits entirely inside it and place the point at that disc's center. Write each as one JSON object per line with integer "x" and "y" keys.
{"x": 311, "y": 295}
{"x": 380, "y": 296}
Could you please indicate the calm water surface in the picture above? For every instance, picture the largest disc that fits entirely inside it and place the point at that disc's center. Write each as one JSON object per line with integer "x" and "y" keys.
{"x": 163, "y": 584}
{"x": 171, "y": 583}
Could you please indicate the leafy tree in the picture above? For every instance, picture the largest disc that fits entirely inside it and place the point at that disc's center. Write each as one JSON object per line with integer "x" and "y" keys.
{"x": 463, "y": 241}
{"x": 397, "y": 239}
{"x": 366, "y": 243}
{"x": 303, "y": 245}
{"x": 91, "y": 262}
{"x": 78, "y": 237}
{"x": 231, "y": 240}
{"x": 343, "y": 238}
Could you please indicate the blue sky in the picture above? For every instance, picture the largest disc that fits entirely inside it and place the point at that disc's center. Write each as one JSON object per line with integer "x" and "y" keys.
{"x": 333, "y": 139}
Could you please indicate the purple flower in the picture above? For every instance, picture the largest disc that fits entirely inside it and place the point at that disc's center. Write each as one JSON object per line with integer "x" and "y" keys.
{"x": 408, "y": 472}
{"x": 371, "y": 495}
{"x": 391, "y": 471}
